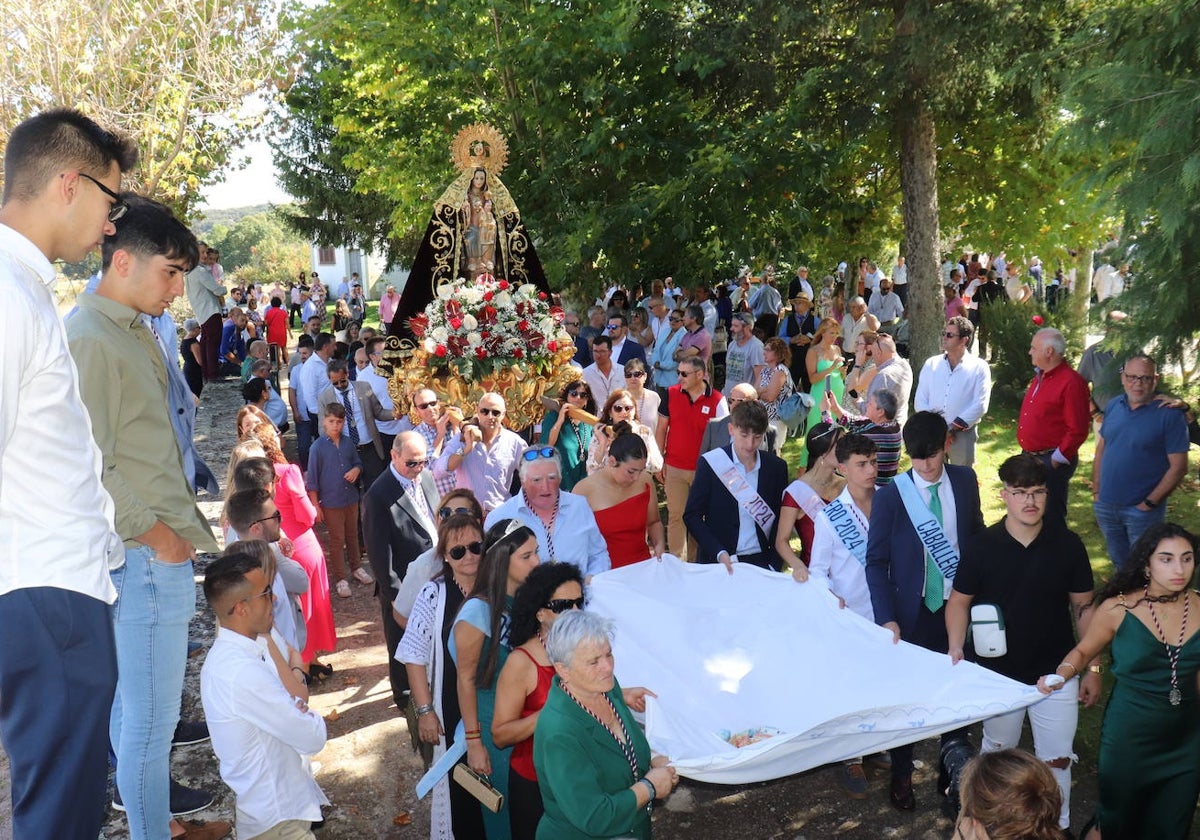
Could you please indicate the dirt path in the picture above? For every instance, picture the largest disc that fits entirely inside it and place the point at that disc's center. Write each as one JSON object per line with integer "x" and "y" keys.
{"x": 369, "y": 771}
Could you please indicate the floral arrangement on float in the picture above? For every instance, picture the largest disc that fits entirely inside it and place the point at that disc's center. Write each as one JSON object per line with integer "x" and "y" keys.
{"x": 490, "y": 335}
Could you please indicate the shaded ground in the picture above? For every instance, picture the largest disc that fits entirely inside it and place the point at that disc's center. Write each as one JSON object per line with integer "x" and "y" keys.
{"x": 369, "y": 771}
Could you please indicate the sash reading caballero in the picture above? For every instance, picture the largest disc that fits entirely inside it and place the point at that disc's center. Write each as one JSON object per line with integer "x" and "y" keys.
{"x": 847, "y": 530}
{"x": 929, "y": 530}
{"x": 741, "y": 490}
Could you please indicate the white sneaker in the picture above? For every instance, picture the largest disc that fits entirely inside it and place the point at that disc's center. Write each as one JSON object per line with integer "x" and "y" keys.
{"x": 342, "y": 589}
{"x": 363, "y": 576}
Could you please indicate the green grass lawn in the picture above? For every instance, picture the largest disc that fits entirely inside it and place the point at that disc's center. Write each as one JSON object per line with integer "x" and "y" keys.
{"x": 997, "y": 441}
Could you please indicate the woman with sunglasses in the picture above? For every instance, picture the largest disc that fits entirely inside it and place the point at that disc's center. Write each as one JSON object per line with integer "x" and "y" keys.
{"x": 620, "y": 414}
{"x": 626, "y": 507}
{"x": 569, "y": 430}
{"x": 805, "y": 497}
{"x": 662, "y": 359}
{"x": 432, "y": 676}
{"x": 429, "y": 565}
{"x": 550, "y": 590}
{"x": 479, "y": 647}
{"x": 645, "y": 401}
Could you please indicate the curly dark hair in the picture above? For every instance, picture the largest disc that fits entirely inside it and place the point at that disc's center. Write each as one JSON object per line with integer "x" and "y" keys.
{"x": 533, "y": 594}
{"x": 589, "y": 406}
{"x": 1133, "y": 576}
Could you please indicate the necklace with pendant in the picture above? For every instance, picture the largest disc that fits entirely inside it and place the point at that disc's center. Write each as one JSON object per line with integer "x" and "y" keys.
{"x": 1175, "y": 697}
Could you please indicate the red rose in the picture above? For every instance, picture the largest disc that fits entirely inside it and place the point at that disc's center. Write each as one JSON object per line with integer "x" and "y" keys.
{"x": 1039, "y": 320}
{"x": 541, "y": 295}
{"x": 518, "y": 352}
{"x": 522, "y": 325}
{"x": 480, "y": 353}
{"x": 503, "y": 285}
{"x": 552, "y": 346}
{"x": 484, "y": 334}
{"x": 440, "y": 352}
{"x": 488, "y": 296}
{"x": 456, "y": 322}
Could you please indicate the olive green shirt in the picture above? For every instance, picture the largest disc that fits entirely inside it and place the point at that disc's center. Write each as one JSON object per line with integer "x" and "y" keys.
{"x": 123, "y": 381}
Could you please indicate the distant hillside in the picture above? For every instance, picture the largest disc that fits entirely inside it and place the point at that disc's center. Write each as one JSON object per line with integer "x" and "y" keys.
{"x": 227, "y": 217}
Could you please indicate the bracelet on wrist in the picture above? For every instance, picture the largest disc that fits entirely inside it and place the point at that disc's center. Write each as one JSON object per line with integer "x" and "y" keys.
{"x": 475, "y": 737}
{"x": 1075, "y": 671}
{"x": 650, "y": 787}
{"x": 424, "y": 710}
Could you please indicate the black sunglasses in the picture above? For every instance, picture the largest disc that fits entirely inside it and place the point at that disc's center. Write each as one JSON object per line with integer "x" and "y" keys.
{"x": 277, "y": 516}
{"x": 119, "y": 207}
{"x": 492, "y": 412}
{"x": 423, "y": 406}
{"x": 460, "y": 551}
{"x": 561, "y": 605}
{"x": 446, "y": 512}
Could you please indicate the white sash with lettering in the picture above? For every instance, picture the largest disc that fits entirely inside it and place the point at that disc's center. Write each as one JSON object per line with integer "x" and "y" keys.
{"x": 929, "y": 530}
{"x": 740, "y": 489}
{"x": 846, "y": 527}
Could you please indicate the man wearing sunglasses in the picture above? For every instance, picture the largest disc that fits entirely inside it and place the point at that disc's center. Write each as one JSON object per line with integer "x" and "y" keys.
{"x": 563, "y": 522}
{"x": 399, "y": 524}
{"x": 57, "y": 678}
{"x": 958, "y": 386}
{"x": 123, "y": 384}
{"x": 437, "y": 424}
{"x": 483, "y": 455}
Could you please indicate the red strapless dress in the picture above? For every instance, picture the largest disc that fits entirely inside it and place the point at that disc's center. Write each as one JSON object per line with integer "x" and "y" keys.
{"x": 624, "y": 529}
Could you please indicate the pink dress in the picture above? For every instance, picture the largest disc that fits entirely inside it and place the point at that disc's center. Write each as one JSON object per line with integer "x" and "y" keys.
{"x": 297, "y": 515}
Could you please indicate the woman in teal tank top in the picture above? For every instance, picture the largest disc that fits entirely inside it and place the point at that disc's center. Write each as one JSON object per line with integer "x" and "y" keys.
{"x": 1149, "y": 769}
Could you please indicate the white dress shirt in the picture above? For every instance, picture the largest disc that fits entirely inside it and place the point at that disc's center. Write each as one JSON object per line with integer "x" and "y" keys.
{"x": 56, "y": 519}
{"x": 259, "y": 735}
{"x": 949, "y": 514}
{"x": 601, "y": 384}
{"x": 832, "y": 562}
{"x": 314, "y": 378}
{"x": 959, "y": 393}
{"x": 379, "y": 385}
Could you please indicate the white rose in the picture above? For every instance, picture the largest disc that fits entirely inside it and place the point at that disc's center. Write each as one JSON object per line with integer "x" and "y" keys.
{"x": 474, "y": 339}
{"x": 429, "y": 344}
{"x": 440, "y": 334}
{"x": 472, "y": 295}
{"x": 445, "y": 291}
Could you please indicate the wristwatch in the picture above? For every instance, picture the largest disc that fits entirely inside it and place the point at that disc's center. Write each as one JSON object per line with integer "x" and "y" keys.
{"x": 1146, "y": 501}
{"x": 1096, "y": 669}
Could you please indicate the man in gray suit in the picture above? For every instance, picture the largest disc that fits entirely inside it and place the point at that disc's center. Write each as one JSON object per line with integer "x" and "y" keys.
{"x": 399, "y": 524}
{"x": 361, "y": 414}
{"x": 716, "y": 433}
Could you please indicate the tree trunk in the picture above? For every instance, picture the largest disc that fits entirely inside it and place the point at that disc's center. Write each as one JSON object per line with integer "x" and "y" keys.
{"x": 918, "y": 186}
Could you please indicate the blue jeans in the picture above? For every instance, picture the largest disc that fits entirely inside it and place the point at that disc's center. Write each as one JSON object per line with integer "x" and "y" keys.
{"x": 155, "y": 602}
{"x": 1123, "y": 525}
{"x": 58, "y": 669}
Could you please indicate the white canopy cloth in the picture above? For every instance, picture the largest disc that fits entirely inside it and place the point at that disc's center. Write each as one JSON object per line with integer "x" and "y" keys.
{"x": 756, "y": 649}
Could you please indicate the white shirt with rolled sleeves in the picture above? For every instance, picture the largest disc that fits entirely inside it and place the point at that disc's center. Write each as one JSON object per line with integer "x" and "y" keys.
{"x": 835, "y": 566}
{"x": 959, "y": 394}
{"x": 260, "y": 735}
{"x": 314, "y": 378}
{"x": 576, "y": 539}
{"x": 485, "y": 471}
{"x": 56, "y": 519}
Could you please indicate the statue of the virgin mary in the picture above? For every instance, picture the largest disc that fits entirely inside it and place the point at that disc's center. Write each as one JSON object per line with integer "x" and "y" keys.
{"x": 476, "y": 228}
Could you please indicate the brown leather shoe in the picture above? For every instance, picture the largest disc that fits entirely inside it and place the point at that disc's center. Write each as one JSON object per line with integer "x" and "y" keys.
{"x": 204, "y": 831}
{"x": 901, "y": 793}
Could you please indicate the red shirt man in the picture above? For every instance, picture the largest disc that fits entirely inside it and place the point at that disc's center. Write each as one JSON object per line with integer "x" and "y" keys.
{"x": 1055, "y": 416}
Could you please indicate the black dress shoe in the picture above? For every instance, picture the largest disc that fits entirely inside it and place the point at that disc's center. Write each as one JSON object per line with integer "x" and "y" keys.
{"x": 901, "y": 793}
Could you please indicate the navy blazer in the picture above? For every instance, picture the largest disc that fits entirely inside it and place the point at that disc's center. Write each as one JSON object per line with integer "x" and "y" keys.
{"x": 630, "y": 350}
{"x": 712, "y": 514}
{"x": 393, "y": 533}
{"x": 895, "y": 556}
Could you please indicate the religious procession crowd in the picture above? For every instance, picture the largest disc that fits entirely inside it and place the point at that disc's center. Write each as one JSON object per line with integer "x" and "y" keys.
{"x": 480, "y": 542}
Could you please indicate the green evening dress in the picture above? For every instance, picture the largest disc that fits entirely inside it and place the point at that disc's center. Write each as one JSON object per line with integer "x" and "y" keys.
{"x": 1149, "y": 749}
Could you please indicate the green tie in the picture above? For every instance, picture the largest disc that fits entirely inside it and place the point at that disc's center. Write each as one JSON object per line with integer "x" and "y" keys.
{"x": 935, "y": 593}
